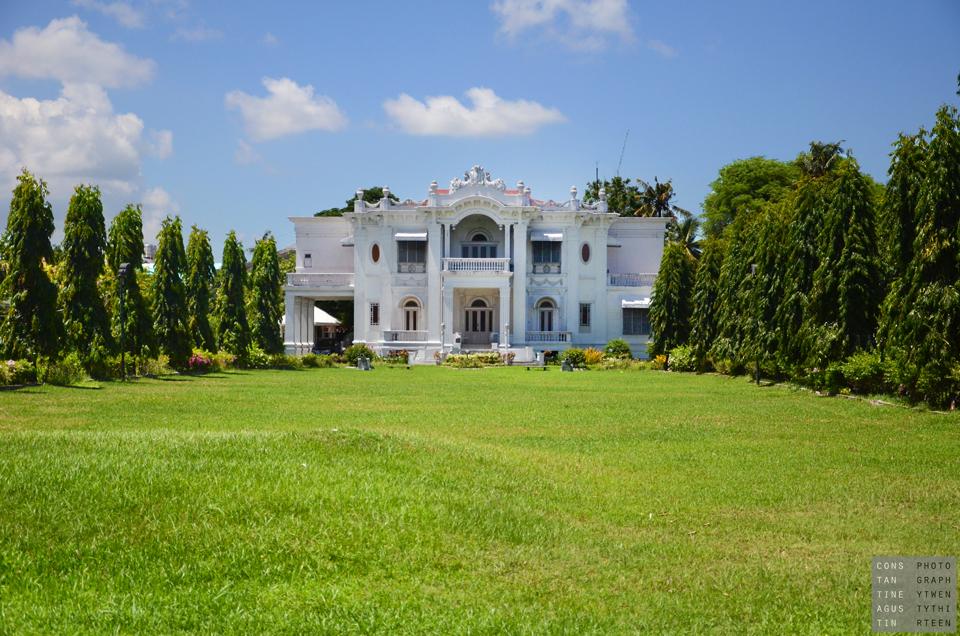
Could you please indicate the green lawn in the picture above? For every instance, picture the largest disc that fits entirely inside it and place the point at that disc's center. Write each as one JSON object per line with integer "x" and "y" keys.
{"x": 448, "y": 501}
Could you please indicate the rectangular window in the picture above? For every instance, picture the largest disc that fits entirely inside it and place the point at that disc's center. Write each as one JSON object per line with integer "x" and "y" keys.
{"x": 307, "y": 259}
{"x": 636, "y": 322}
{"x": 546, "y": 252}
{"x": 374, "y": 314}
{"x": 412, "y": 251}
{"x": 584, "y": 314}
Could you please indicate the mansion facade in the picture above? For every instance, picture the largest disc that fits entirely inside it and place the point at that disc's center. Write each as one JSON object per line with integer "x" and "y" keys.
{"x": 477, "y": 266}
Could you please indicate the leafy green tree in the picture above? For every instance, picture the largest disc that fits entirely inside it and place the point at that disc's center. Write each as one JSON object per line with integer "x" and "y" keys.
{"x": 266, "y": 296}
{"x": 201, "y": 272}
{"x": 745, "y": 184}
{"x": 169, "y": 294}
{"x": 734, "y": 287}
{"x": 623, "y": 198}
{"x": 846, "y": 286}
{"x": 927, "y": 341}
{"x": 233, "y": 330}
{"x": 671, "y": 307}
{"x": 900, "y": 200}
{"x": 370, "y": 195}
{"x": 125, "y": 245}
{"x": 31, "y": 326}
{"x": 765, "y": 287}
{"x": 704, "y": 325}
{"x": 685, "y": 231}
{"x": 85, "y": 315}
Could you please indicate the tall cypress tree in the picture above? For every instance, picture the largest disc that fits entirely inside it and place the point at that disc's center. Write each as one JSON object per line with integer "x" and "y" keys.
{"x": 201, "y": 271}
{"x": 125, "y": 245}
{"x": 670, "y": 309}
{"x": 233, "y": 331}
{"x": 846, "y": 286}
{"x": 704, "y": 323}
{"x": 84, "y": 243}
{"x": 765, "y": 285}
{"x": 31, "y": 326}
{"x": 266, "y": 296}
{"x": 927, "y": 341}
{"x": 169, "y": 295}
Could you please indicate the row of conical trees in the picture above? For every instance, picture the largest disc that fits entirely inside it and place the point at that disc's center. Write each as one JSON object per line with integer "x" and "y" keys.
{"x": 92, "y": 292}
{"x": 832, "y": 267}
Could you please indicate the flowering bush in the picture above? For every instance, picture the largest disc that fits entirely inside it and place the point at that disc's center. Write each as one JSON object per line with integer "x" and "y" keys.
{"x": 681, "y": 359}
{"x": 353, "y": 352}
{"x": 199, "y": 363}
{"x": 659, "y": 363}
{"x": 17, "y": 372}
{"x": 396, "y": 357}
{"x": 592, "y": 357}
{"x": 575, "y": 357}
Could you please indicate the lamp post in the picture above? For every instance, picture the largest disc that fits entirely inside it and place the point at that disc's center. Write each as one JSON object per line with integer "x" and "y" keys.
{"x": 122, "y": 273}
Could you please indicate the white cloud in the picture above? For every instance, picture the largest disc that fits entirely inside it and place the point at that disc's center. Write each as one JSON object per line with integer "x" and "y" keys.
{"x": 156, "y": 204}
{"x": 197, "y": 34}
{"x": 662, "y": 48}
{"x": 122, "y": 12}
{"x": 287, "y": 110}
{"x": 66, "y": 50}
{"x": 75, "y": 138}
{"x": 245, "y": 154}
{"x": 488, "y": 115}
{"x": 270, "y": 39}
{"x": 577, "y": 24}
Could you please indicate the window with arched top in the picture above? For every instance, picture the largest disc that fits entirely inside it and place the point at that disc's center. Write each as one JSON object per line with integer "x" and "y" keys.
{"x": 479, "y": 302}
{"x": 546, "y": 313}
{"x": 411, "y": 314}
{"x": 479, "y": 246}
{"x": 479, "y": 237}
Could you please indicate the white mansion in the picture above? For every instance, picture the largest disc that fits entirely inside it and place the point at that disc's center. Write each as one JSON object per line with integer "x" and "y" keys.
{"x": 477, "y": 265}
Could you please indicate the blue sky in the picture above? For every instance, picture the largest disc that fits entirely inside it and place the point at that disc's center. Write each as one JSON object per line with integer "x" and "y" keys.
{"x": 238, "y": 115}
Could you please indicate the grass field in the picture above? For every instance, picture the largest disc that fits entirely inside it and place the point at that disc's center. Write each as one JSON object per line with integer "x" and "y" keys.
{"x": 437, "y": 500}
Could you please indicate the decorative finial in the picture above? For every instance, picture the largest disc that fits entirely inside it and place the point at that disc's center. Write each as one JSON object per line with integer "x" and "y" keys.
{"x": 573, "y": 192}
{"x": 433, "y": 186}
{"x": 359, "y": 194}
{"x": 603, "y": 193}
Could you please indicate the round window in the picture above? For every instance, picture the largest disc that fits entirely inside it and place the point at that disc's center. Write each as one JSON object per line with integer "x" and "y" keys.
{"x": 375, "y": 253}
{"x": 585, "y": 252}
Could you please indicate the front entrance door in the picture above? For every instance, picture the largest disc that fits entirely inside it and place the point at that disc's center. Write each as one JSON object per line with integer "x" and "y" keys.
{"x": 478, "y": 323}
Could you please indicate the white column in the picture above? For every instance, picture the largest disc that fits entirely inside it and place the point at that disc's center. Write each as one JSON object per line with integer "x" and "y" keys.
{"x": 448, "y": 230}
{"x": 306, "y": 325}
{"x": 506, "y": 240}
{"x": 434, "y": 267}
{"x": 504, "y": 315}
{"x": 519, "y": 322}
{"x": 289, "y": 344}
{"x": 448, "y": 315}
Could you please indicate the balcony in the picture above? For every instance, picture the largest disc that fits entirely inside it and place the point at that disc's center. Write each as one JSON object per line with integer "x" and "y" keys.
{"x": 476, "y": 265}
{"x": 538, "y": 337}
{"x": 631, "y": 280}
{"x": 338, "y": 284}
{"x": 403, "y": 335}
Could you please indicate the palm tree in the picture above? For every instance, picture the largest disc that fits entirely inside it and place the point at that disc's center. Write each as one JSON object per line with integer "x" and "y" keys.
{"x": 684, "y": 231}
{"x": 819, "y": 160}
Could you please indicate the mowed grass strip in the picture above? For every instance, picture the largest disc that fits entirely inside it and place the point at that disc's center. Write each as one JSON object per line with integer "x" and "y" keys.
{"x": 437, "y": 500}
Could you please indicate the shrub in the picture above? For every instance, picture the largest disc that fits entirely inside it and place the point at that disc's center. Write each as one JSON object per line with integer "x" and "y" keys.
{"x": 200, "y": 363}
{"x": 592, "y": 357}
{"x": 551, "y": 357}
{"x": 283, "y": 361}
{"x": 223, "y": 360}
{"x": 508, "y": 357}
{"x": 396, "y": 357}
{"x": 682, "y": 359}
{"x": 623, "y": 364}
{"x": 256, "y": 358}
{"x": 574, "y": 357}
{"x": 659, "y": 363}
{"x": 473, "y": 360}
{"x": 66, "y": 371}
{"x": 17, "y": 372}
{"x": 315, "y": 361}
{"x": 353, "y": 352}
{"x": 153, "y": 366}
{"x": 617, "y": 348}
{"x": 864, "y": 372}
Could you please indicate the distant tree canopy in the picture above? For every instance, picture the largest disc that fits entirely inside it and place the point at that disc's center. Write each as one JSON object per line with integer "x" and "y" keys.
{"x": 370, "y": 195}
{"x": 636, "y": 199}
{"x": 745, "y": 184}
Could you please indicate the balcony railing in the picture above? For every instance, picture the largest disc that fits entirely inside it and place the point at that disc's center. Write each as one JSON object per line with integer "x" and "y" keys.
{"x": 548, "y": 336}
{"x": 411, "y": 268}
{"x": 403, "y": 335}
{"x": 476, "y": 264}
{"x": 311, "y": 279}
{"x": 632, "y": 280}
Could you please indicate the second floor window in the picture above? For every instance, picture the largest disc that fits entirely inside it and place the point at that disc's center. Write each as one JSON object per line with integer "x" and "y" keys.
{"x": 546, "y": 252}
{"x": 409, "y": 252}
{"x": 307, "y": 259}
{"x": 584, "y": 314}
{"x": 374, "y": 314}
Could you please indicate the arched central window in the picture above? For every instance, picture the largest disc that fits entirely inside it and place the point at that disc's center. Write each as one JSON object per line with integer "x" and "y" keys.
{"x": 478, "y": 317}
{"x": 479, "y": 302}
{"x": 479, "y": 246}
{"x": 411, "y": 315}
{"x": 546, "y": 310}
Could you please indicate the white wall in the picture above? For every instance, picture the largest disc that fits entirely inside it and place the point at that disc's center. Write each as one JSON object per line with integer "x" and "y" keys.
{"x": 320, "y": 237}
